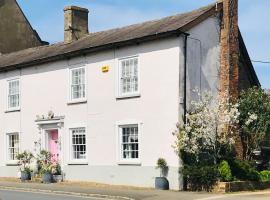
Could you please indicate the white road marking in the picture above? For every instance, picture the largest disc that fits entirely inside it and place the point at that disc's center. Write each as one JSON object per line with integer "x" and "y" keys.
{"x": 214, "y": 197}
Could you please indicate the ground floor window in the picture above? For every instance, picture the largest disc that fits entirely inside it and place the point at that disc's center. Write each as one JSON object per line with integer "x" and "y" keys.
{"x": 13, "y": 146}
{"x": 129, "y": 140}
{"x": 78, "y": 144}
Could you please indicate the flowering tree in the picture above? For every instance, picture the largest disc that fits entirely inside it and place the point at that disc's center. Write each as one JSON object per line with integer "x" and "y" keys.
{"x": 210, "y": 126}
{"x": 254, "y": 106}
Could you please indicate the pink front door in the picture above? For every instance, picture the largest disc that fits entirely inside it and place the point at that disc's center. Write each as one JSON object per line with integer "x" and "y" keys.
{"x": 53, "y": 144}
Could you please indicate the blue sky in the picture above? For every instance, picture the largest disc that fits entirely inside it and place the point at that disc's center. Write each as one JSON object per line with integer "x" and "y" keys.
{"x": 46, "y": 16}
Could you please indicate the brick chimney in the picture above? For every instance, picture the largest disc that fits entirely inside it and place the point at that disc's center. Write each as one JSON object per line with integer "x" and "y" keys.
{"x": 229, "y": 42}
{"x": 229, "y": 58}
{"x": 76, "y": 23}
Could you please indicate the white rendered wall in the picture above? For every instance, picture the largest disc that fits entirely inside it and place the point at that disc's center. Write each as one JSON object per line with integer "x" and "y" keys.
{"x": 45, "y": 87}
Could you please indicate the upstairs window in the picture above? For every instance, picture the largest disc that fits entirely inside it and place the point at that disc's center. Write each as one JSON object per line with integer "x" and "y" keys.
{"x": 77, "y": 84}
{"x": 13, "y": 94}
{"x": 128, "y": 77}
{"x": 13, "y": 146}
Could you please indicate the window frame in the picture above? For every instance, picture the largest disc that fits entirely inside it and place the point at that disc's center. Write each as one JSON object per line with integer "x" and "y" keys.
{"x": 8, "y": 108}
{"x": 8, "y": 161}
{"x": 119, "y": 94}
{"x": 73, "y": 161}
{"x": 82, "y": 99}
{"x": 119, "y": 126}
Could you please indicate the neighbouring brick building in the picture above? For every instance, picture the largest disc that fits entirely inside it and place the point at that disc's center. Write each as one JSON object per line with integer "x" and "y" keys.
{"x": 16, "y": 33}
{"x": 118, "y": 94}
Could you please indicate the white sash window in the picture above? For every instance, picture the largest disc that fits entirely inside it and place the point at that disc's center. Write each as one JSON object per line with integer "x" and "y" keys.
{"x": 128, "y": 77}
{"x": 129, "y": 140}
{"x": 78, "y": 144}
{"x": 13, "y": 146}
{"x": 13, "y": 94}
{"x": 77, "y": 84}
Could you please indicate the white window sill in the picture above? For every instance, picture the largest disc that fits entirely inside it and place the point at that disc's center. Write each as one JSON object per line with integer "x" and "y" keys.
{"x": 77, "y": 101}
{"x": 129, "y": 162}
{"x": 78, "y": 162}
{"x": 126, "y": 96}
{"x": 13, "y": 110}
{"x": 12, "y": 163}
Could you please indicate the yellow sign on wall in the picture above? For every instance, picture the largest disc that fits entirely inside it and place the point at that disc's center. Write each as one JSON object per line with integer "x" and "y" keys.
{"x": 105, "y": 68}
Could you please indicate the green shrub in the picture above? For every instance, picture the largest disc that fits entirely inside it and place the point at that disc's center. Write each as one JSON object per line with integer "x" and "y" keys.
{"x": 225, "y": 171}
{"x": 162, "y": 165}
{"x": 244, "y": 171}
{"x": 264, "y": 175}
{"x": 200, "y": 177}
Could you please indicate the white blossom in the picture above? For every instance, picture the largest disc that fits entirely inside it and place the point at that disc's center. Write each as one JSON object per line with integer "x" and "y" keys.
{"x": 206, "y": 123}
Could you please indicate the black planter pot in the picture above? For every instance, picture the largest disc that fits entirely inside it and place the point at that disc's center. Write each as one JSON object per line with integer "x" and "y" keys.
{"x": 47, "y": 178}
{"x": 25, "y": 176}
{"x": 161, "y": 183}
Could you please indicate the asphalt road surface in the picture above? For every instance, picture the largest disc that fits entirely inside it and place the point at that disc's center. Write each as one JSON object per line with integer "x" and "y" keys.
{"x": 19, "y": 195}
{"x": 240, "y": 196}
{"x": 12, "y": 195}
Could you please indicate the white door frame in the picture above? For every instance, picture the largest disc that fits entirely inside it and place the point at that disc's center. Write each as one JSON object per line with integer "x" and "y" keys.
{"x": 44, "y": 127}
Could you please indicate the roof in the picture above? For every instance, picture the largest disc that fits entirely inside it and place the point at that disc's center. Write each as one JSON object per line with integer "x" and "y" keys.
{"x": 112, "y": 38}
{"x": 248, "y": 66}
{"x": 16, "y": 33}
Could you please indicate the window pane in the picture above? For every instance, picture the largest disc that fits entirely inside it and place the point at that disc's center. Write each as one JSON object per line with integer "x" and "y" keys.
{"x": 130, "y": 142}
{"x": 129, "y": 76}
{"x": 78, "y": 143}
{"x": 13, "y": 146}
{"x": 13, "y": 94}
{"x": 78, "y": 83}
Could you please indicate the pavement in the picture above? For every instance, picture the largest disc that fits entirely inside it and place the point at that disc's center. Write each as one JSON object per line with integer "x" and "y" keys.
{"x": 99, "y": 191}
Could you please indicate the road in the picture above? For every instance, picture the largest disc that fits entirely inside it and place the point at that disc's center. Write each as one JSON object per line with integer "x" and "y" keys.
{"x": 20, "y": 195}
{"x": 14, "y": 195}
{"x": 240, "y": 196}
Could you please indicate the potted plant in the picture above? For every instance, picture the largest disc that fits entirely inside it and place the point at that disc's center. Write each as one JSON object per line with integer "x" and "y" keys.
{"x": 46, "y": 172}
{"x": 24, "y": 162}
{"x": 45, "y": 163}
{"x": 56, "y": 172}
{"x": 161, "y": 182}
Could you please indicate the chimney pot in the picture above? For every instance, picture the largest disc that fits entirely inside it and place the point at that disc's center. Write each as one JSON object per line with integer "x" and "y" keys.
{"x": 76, "y": 23}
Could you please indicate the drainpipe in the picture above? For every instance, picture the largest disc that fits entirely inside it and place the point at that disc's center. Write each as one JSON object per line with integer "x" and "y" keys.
{"x": 185, "y": 95}
{"x": 185, "y": 78}
{"x": 183, "y": 99}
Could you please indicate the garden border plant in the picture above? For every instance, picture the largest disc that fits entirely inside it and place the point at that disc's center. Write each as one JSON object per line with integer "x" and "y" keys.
{"x": 206, "y": 142}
